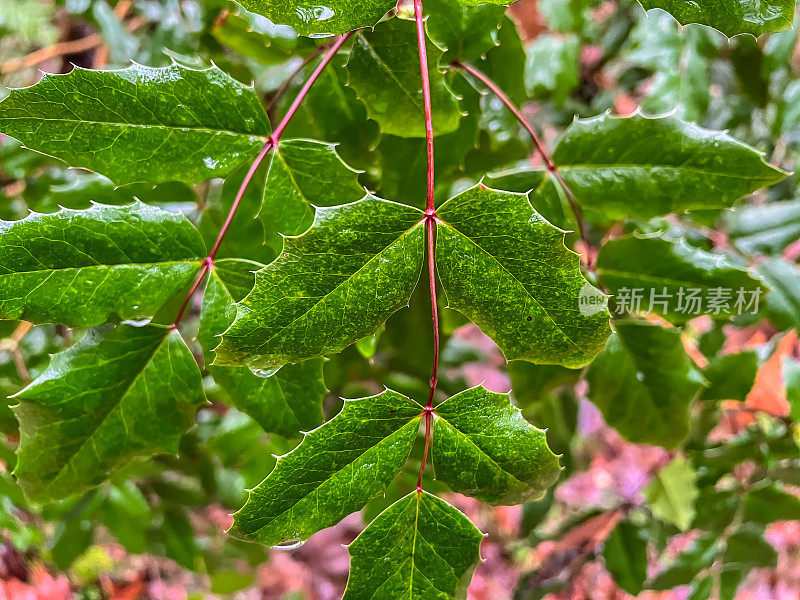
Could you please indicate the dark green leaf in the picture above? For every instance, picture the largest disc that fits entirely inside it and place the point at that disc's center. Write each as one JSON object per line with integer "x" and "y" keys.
{"x": 140, "y": 123}
{"x": 625, "y": 556}
{"x": 748, "y": 549}
{"x": 731, "y": 17}
{"x": 335, "y": 470}
{"x": 463, "y": 32}
{"x": 731, "y": 376}
{"x": 384, "y": 72}
{"x": 672, "y": 492}
{"x": 644, "y": 384}
{"x": 644, "y": 167}
{"x": 483, "y": 447}
{"x": 87, "y": 267}
{"x": 116, "y": 395}
{"x": 311, "y": 18}
{"x": 507, "y": 269}
{"x": 330, "y": 287}
{"x": 675, "y": 279}
{"x": 769, "y": 504}
{"x": 420, "y": 548}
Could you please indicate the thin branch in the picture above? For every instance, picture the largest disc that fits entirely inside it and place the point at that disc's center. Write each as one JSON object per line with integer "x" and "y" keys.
{"x": 430, "y": 227}
{"x": 540, "y": 148}
{"x": 271, "y": 143}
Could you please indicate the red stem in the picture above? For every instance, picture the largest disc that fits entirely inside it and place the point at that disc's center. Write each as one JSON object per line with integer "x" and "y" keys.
{"x": 548, "y": 161}
{"x": 430, "y": 228}
{"x": 272, "y": 142}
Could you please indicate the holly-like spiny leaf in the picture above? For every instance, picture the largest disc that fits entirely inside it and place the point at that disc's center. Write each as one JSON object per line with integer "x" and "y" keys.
{"x": 140, "y": 123}
{"x": 644, "y": 383}
{"x": 483, "y": 447}
{"x": 86, "y": 267}
{"x": 384, "y": 72}
{"x": 335, "y": 470}
{"x": 507, "y": 269}
{"x": 731, "y": 17}
{"x": 312, "y": 18}
{"x": 420, "y": 548}
{"x": 115, "y": 395}
{"x": 330, "y": 287}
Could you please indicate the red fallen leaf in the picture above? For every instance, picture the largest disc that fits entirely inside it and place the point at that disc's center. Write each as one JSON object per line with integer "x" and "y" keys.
{"x": 769, "y": 393}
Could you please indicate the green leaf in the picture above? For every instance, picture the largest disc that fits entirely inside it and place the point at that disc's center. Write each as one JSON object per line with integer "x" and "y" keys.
{"x": 675, "y": 279}
{"x": 552, "y": 67}
{"x": 642, "y": 167}
{"x": 507, "y": 269}
{"x": 769, "y": 504}
{"x": 330, "y": 287}
{"x": 303, "y": 174}
{"x": 310, "y": 18}
{"x": 128, "y": 516}
{"x": 644, "y": 384}
{"x": 483, "y": 447}
{"x": 464, "y": 32}
{"x": 790, "y": 373}
{"x": 765, "y": 229}
{"x": 335, "y": 470}
{"x": 730, "y": 377}
{"x": 140, "y": 123}
{"x": 625, "y": 556}
{"x": 116, "y": 395}
{"x": 783, "y": 300}
{"x": 384, "y": 72}
{"x": 748, "y": 549}
{"x": 420, "y": 548}
{"x": 731, "y": 17}
{"x": 672, "y": 492}
{"x": 87, "y": 267}
{"x": 700, "y": 555}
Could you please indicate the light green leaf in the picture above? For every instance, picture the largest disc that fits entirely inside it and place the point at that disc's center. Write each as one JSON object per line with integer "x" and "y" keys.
{"x": 672, "y": 492}
{"x": 330, "y": 287}
{"x": 765, "y": 229}
{"x": 420, "y": 548}
{"x": 676, "y": 280}
{"x": 384, "y": 72}
{"x": 644, "y": 384}
{"x": 115, "y": 395}
{"x": 507, "y": 269}
{"x": 335, "y": 470}
{"x": 140, "y": 123}
{"x": 483, "y": 447}
{"x": 731, "y": 17}
{"x": 311, "y": 18}
{"x": 782, "y": 303}
{"x": 642, "y": 167}
{"x": 87, "y": 267}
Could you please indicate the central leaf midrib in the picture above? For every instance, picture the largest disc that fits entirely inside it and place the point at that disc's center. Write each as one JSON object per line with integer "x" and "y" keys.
{"x": 105, "y": 265}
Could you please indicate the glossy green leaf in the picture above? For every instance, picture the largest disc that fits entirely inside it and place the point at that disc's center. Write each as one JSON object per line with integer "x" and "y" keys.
{"x": 140, "y": 123}
{"x": 644, "y": 383}
{"x": 641, "y": 167}
{"x": 675, "y": 279}
{"x": 330, "y": 287}
{"x": 483, "y": 447}
{"x": 116, "y": 395}
{"x": 730, "y": 377}
{"x": 463, "y": 32}
{"x": 672, "y": 492}
{"x": 334, "y": 471}
{"x": 384, "y": 72}
{"x": 303, "y": 174}
{"x": 420, "y": 548}
{"x": 87, "y": 267}
{"x": 625, "y": 556}
{"x": 766, "y": 229}
{"x": 782, "y": 303}
{"x": 552, "y": 67}
{"x": 507, "y": 269}
{"x": 312, "y": 18}
{"x": 731, "y": 17}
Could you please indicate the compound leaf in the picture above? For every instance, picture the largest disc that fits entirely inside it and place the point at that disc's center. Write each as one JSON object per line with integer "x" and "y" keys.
{"x": 140, "y": 123}
{"x": 85, "y": 267}
{"x": 330, "y": 287}
{"x": 644, "y": 384}
{"x": 115, "y": 395}
{"x": 335, "y": 470}
{"x": 506, "y": 268}
{"x": 731, "y": 17}
{"x": 642, "y": 167}
{"x": 483, "y": 447}
{"x": 384, "y": 72}
{"x": 312, "y": 18}
{"x": 420, "y": 548}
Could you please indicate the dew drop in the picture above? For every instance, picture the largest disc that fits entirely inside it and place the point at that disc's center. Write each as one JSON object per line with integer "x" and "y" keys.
{"x": 265, "y": 373}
